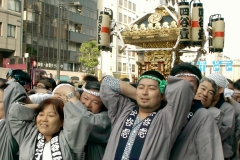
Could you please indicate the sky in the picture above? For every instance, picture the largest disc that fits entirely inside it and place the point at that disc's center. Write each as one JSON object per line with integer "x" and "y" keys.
{"x": 230, "y": 11}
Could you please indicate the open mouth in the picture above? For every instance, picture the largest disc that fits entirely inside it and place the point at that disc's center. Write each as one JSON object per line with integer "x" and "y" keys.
{"x": 43, "y": 125}
{"x": 144, "y": 99}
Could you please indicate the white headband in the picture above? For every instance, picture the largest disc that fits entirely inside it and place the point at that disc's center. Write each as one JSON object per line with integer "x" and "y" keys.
{"x": 63, "y": 84}
{"x": 91, "y": 92}
{"x": 187, "y": 74}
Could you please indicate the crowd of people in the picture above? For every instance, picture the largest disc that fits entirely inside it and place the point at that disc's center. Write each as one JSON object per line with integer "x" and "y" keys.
{"x": 180, "y": 117}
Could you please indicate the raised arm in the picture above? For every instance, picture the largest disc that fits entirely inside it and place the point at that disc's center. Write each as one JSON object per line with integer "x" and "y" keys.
{"x": 77, "y": 125}
{"x": 13, "y": 93}
{"x": 101, "y": 125}
{"x": 76, "y": 128}
{"x": 21, "y": 120}
{"x": 179, "y": 94}
{"x": 39, "y": 97}
{"x": 114, "y": 95}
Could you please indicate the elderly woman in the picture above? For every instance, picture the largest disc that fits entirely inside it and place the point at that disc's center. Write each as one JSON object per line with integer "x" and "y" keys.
{"x": 44, "y": 137}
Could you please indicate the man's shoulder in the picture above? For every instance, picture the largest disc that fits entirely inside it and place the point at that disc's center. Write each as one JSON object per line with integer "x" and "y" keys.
{"x": 227, "y": 106}
{"x": 203, "y": 112}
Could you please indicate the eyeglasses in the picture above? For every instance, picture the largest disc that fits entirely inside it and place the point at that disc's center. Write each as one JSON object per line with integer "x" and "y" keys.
{"x": 39, "y": 86}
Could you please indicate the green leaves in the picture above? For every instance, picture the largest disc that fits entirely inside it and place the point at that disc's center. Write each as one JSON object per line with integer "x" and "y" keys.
{"x": 90, "y": 54}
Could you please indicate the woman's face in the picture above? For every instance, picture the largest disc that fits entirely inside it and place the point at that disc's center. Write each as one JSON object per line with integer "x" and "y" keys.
{"x": 205, "y": 93}
{"x": 49, "y": 121}
{"x": 91, "y": 102}
{"x": 1, "y": 105}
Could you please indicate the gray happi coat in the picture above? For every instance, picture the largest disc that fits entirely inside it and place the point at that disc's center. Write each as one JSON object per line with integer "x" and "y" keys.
{"x": 99, "y": 134}
{"x": 199, "y": 140}
{"x": 227, "y": 129}
{"x": 9, "y": 147}
{"x": 217, "y": 115}
{"x": 165, "y": 126}
{"x": 72, "y": 138}
{"x": 235, "y": 137}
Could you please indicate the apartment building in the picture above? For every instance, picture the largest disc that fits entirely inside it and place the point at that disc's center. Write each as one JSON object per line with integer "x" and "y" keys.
{"x": 40, "y": 31}
{"x": 10, "y": 29}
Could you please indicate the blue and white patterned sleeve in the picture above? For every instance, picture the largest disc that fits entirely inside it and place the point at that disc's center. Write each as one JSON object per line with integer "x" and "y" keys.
{"x": 112, "y": 83}
{"x": 115, "y": 102}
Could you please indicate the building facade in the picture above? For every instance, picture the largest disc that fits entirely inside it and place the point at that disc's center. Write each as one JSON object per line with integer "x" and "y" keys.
{"x": 10, "y": 27}
{"x": 40, "y": 31}
{"x": 125, "y": 12}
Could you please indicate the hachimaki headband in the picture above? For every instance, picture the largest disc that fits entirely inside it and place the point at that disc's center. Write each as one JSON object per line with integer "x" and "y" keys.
{"x": 91, "y": 92}
{"x": 162, "y": 83}
{"x": 187, "y": 74}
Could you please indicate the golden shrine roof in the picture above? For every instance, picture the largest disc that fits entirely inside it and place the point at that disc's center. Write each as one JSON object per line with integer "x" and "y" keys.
{"x": 153, "y": 27}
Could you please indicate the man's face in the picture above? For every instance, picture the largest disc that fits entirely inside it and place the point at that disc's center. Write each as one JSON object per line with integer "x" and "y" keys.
{"x": 230, "y": 86}
{"x": 236, "y": 95}
{"x": 192, "y": 80}
{"x": 148, "y": 95}
{"x": 41, "y": 85}
{"x": 92, "y": 103}
{"x": 205, "y": 93}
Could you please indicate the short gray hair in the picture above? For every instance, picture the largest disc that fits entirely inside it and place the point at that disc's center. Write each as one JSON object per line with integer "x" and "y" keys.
{"x": 214, "y": 85}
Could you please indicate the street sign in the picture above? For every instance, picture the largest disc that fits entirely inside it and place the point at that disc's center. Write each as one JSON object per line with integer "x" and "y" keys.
{"x": 202, "y": 68}
{"x": 216, "y": 67}
{"x": 228, "y": 67}
{"x": 215, "y": 62}
{"x": 201, "y": 62}
{"x": 225, "y": 62}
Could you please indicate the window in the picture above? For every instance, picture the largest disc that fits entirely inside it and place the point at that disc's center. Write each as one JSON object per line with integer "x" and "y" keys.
{"x": 14, "y": 5}
{"x": 120, "y": 17}
{"x": 124, "y": 67}
{"x": 79, "y": 9}
{"x": 133, "y": 67}
{"x": 134, "y": 7}
{"x": 133, "y": 54}
{"x": 78, "y": 45}
{"x": 11, "y": 30}
{"x": 119, "y": 66}
{"x": 78, "y": 28}
{"x": 125, "y": 3}
{"x": 130, "y": 5}
{"x": 125, "y": 19}
{"x": 129, "y": 19}
{"x": 120, "y": 2}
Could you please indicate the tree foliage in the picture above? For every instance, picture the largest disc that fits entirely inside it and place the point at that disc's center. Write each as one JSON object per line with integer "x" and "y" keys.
{"x": 90, "y": 54}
